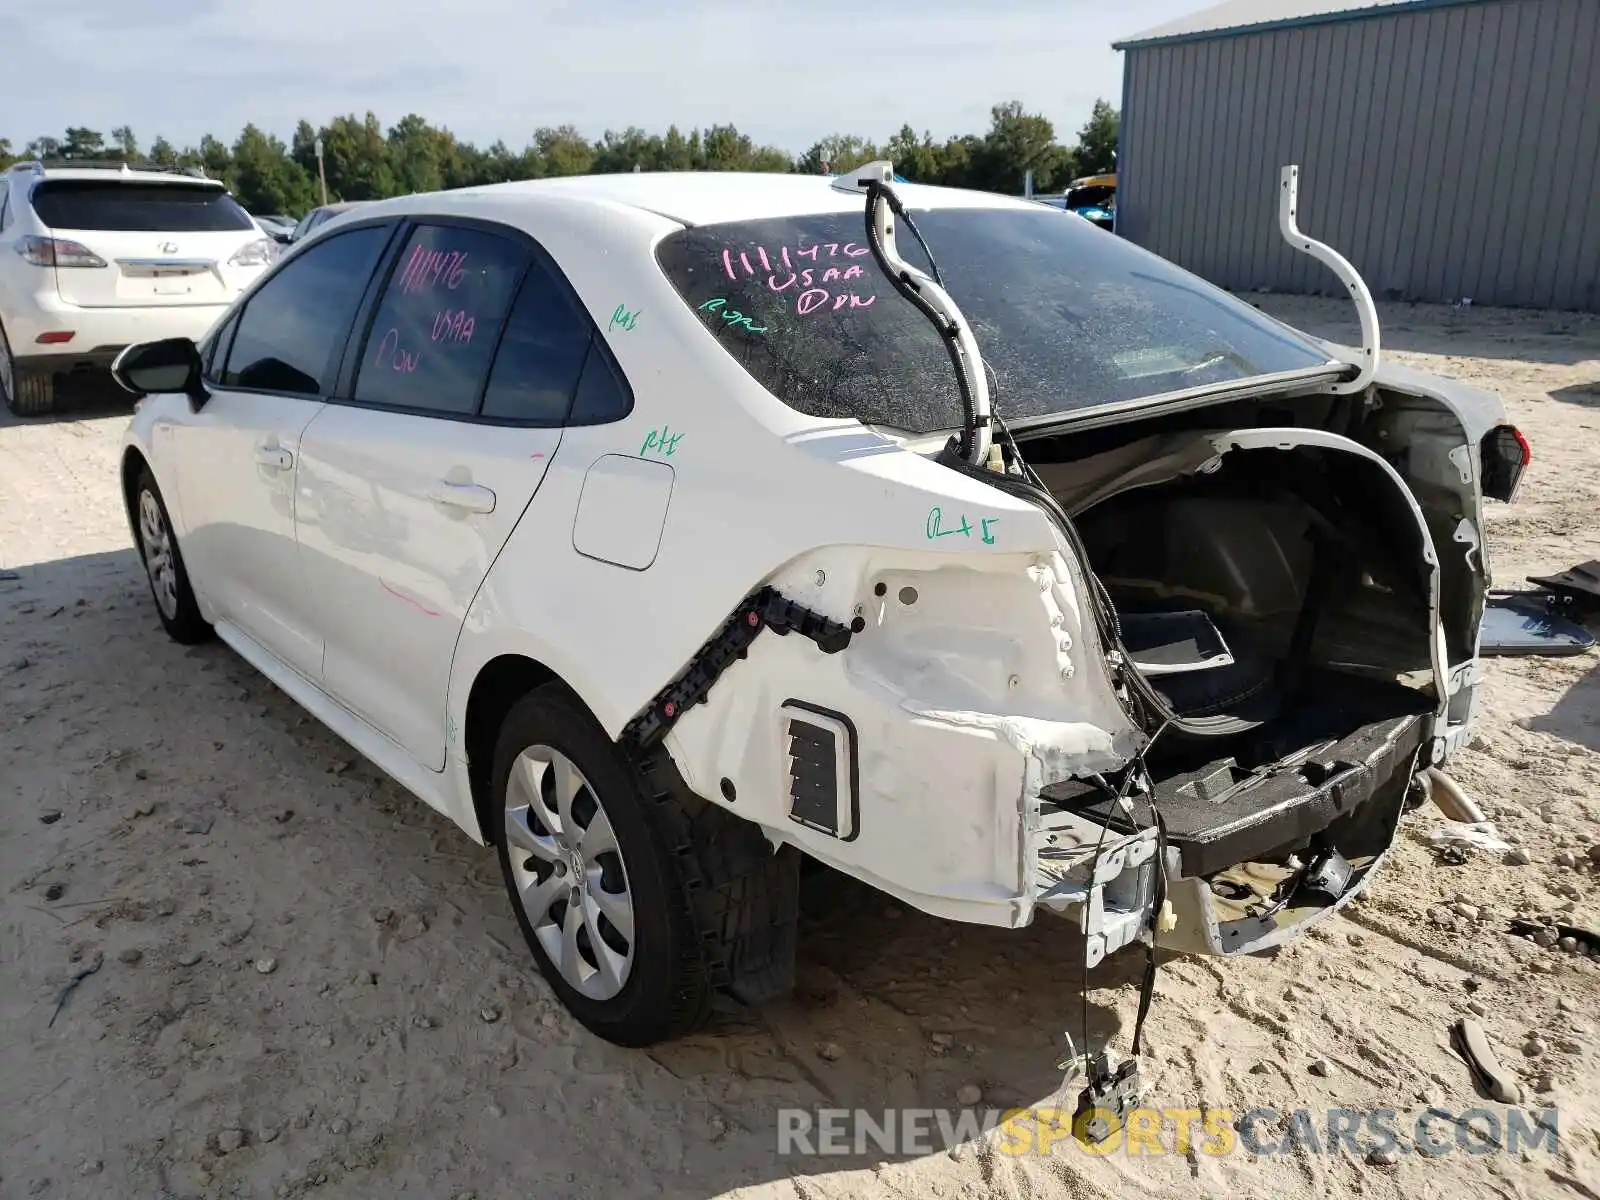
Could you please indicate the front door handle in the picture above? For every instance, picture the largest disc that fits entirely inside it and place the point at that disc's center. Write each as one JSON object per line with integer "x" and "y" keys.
{"x": 275, "y": 457}
{"x": 471, "y": 496}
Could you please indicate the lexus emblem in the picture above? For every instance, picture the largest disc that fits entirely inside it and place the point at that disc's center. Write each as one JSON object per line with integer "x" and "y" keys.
{"x": 169, "y": 247}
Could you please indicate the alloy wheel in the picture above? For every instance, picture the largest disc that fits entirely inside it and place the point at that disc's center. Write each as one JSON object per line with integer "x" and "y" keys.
{"x": 568, "y": 871}
{"x": 156, "y": 542}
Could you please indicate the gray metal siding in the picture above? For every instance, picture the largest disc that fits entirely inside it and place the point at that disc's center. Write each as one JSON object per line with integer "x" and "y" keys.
{"x": 1448, "y": 152}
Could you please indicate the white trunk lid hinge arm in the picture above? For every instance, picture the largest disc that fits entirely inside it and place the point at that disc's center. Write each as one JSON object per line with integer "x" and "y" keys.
{"x": 1288, "y": 208}
{"x": 876, "y": 178}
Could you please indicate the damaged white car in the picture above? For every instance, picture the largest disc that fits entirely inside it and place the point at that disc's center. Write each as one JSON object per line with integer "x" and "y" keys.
{"x": 671, "y": 531}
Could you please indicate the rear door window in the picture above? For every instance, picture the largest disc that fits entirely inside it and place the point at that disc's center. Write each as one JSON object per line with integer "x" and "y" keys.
{"x": 291, "y": 328}
{"x": 541, "y": 363}
{"x": 434, "y": 334}
{"x": 95, "y": 204}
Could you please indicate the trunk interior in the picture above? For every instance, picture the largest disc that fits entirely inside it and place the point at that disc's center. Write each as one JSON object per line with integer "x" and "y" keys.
{"x": 1278, "y": 601}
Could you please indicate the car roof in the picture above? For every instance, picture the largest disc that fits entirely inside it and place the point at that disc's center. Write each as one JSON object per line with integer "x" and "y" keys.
{"x": 710, "y": 197}
{"x": 119, "y": 171}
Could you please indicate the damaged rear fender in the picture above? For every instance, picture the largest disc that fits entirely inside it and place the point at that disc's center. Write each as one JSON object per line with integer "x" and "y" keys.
{"x": 914, "y": 758}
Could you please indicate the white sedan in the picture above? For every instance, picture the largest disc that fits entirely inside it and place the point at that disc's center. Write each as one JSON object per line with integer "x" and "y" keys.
{"x": 670, "y": 532}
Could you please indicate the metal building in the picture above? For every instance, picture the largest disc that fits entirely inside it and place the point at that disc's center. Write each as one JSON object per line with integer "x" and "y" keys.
{"x": 1448, "y": 148}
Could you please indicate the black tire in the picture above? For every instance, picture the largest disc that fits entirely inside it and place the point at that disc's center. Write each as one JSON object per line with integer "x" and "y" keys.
{"x": 30, "y": 394}
{"x": 668, "y": 991}
{"x": 183, "y": 622}
{"x": 36, "y": 394}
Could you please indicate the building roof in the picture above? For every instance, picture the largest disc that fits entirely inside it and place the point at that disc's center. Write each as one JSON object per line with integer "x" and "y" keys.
{"x": 1253, "y": 16}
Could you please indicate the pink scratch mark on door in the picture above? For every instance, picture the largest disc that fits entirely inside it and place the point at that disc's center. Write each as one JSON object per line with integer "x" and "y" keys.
{"x": 422, "y": 608}
{"x": 538, "y": 455}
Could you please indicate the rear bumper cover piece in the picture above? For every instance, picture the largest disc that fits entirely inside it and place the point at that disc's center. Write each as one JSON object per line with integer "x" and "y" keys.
{"x": 1222, "y": 822}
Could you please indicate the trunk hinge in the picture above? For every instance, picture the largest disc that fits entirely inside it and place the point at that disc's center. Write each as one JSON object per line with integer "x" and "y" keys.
{"x": 1288, "y": 209}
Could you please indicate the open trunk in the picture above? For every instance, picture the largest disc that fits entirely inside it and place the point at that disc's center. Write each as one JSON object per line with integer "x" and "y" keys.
{"x": 1278, "y": 590}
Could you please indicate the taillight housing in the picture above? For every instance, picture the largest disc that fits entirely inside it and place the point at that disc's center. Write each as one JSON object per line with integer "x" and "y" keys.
{"x": 57, "y": 252}
{"x": 1505, "y": 455}
{"x": 258, "y": 253}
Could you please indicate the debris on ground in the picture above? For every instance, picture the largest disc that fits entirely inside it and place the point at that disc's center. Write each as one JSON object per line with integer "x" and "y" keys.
{"x": 1494, "y": 1081}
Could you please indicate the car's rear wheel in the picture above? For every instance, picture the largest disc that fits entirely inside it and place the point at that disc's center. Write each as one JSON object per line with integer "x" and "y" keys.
{"x": 592, "y": 878}
{"x": 163, "y": 565}
{"x": 35, "y": 394}
{"x": 26, "y": 394}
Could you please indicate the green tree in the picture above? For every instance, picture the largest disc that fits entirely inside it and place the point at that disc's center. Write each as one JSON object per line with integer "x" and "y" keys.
{"x": 356, "y": 157}
{"x": 1017, "y": 142}
{"x": 266, "y": 179}
{"x": 127, "y": 145}
{"x": 365, "y": 162}
{"x": 836, "y": 154}
{"x": 918, "y": 159}
{"x": 6, "y": 157}
{"x": 633, "y": 147}
{"x": 420, "y": 155}
{"x": 214, "y": 158}
{"x": 724, "y": 148}
{"x": 677, "y": 154}
{"x": 1097, "y": 140}
{"x": 563, "y": 151}
{"x": 83, "y": 143}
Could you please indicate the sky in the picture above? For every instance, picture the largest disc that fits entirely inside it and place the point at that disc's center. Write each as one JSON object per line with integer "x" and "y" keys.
{"x": 785, "y": 71}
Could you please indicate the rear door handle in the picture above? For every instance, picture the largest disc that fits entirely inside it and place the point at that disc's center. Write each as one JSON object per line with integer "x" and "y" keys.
{"x": 275, "y": 457}
{"x": 471, "y": 496}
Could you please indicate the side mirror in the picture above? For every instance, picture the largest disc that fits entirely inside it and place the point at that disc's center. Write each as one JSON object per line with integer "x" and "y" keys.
{"x": 170, "y": 365}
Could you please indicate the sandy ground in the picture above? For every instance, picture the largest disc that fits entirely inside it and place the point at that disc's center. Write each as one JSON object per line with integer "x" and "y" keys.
{"x": 308, "y": 982}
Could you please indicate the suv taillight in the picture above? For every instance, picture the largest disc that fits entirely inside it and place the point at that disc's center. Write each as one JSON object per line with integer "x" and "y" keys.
{"x": 57, "y": 252}
{"x": 1506, "y": 454}
{"x": 258, "y": 253}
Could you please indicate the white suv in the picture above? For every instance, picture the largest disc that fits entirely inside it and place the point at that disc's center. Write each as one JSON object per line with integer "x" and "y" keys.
{"x": 94, "y": 257}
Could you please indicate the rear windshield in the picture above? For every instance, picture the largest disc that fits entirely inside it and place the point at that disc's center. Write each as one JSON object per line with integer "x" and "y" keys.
{"x": 1067, "y": 315}
{"x": 137, "y": 207}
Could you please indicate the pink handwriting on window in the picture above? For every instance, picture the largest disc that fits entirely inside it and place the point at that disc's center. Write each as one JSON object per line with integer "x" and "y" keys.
{"x": 820, "y": 299}
{"x": 453, "y": 325}
{"x": 427, "y": 267}
{"x": 763, "y": 263}
{"x": 807, "y": 277}
{"x": 390, "y": 351}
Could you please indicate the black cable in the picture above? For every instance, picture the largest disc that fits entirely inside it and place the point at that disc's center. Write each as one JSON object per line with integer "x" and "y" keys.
{"x": 933, "y": 267}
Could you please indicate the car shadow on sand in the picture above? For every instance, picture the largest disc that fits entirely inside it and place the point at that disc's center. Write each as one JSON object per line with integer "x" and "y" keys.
{"x": 1576, "y": 716}
{"x": 892, "y": 1010}
{"x": 78, "y": 398}
{"x": 1585, "y": 394}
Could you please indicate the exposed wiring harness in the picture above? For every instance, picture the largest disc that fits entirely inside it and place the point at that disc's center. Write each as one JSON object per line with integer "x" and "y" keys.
{"x": 1147, "y": 706}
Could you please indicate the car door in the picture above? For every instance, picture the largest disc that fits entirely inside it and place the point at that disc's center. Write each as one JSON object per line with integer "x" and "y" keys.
{"x": 236, "y": 457}
{"x": 412, "y": 480}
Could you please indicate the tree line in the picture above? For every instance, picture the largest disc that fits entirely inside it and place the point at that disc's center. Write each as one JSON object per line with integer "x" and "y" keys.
{"x": 364, "y": 161}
